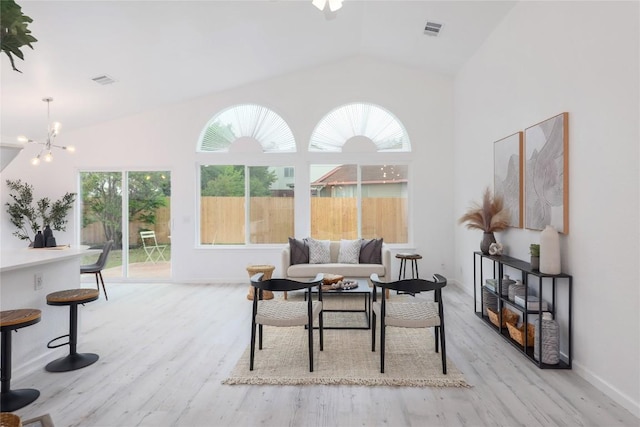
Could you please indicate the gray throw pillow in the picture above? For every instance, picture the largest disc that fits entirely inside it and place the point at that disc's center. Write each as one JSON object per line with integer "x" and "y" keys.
{"x": 319, "y": 251}
{"x": 371, "y": 251}
{"x": 299, "y": 251}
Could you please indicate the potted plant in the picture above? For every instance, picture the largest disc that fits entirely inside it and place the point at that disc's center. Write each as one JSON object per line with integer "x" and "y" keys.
{"x": 534, "y": 250}
{"x": 489, "y": 216}
{"x": 28, "y": 217}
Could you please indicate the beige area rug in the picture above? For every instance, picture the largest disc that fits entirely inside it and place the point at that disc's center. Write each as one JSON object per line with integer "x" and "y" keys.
{"x": 347, "y": 359}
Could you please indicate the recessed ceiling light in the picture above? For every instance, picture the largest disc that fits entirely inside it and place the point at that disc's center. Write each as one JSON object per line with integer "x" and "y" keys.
{"x": 432, "y": 28}
{"x": 103, "y": 80}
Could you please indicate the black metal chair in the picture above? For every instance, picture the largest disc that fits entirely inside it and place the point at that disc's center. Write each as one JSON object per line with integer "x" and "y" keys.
{"x": 414, "y": 314}
{"x": 98, "y": 266}
{"x": 285, "y": 312}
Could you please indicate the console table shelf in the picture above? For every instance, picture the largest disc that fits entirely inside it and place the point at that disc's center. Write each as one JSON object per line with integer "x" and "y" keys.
{"x": 554, "y": 289}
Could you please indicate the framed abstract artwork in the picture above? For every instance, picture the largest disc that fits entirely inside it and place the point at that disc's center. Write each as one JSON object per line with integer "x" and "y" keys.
{"x": 546, "y": 188}
{"x": 507, "y": 175}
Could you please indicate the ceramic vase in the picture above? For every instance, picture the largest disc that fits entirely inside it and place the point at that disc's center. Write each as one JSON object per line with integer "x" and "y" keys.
{"x": 38, "y": 241}
{"x": 487, "y": 239}
{"x": 535, "y": 263}
{"x": 549, "y": 251}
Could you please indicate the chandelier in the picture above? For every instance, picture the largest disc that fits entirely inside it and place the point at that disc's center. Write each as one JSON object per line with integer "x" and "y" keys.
{"x": 333, "y": 4}
{"x": 52, "y": 131}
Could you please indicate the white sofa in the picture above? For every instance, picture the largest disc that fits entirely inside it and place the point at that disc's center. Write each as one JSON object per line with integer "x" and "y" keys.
{"x": 309, "y": 271}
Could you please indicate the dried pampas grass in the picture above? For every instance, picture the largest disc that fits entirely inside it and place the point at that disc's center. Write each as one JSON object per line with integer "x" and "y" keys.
{"x": 489, "y": 216}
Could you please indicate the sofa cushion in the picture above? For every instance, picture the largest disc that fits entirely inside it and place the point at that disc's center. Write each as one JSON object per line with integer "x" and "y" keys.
{"x": 349, "y": 251}
{"x": 306, "y": 271}
{"x": 299, "y": 251}
{"x": 371, "y": 251}
{"x": 319, "y": 251}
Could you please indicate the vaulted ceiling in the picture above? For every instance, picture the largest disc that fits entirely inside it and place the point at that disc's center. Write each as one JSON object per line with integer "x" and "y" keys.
{"x": 163, "y": 52}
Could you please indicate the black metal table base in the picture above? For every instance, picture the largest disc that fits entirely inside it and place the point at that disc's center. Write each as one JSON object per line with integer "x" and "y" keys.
{"x": 72, "y": 362}
{"x": 13, "y": 400}
{"x": 355, "y": 291}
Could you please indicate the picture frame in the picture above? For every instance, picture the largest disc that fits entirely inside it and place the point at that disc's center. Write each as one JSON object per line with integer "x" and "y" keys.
{"x": 507, "y": 175}
{"x": 546, "y": 189}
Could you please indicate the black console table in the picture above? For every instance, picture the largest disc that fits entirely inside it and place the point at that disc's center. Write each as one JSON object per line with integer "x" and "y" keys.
{"x": 554, "y": 289}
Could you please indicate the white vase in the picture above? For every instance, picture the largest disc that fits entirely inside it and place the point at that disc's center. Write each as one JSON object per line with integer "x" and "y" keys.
{"x": 549, "y": 251}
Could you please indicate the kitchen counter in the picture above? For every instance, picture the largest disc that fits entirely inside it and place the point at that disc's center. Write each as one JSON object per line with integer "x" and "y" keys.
{"x": 27, "y": 257}
{"x": 27, "y": 276}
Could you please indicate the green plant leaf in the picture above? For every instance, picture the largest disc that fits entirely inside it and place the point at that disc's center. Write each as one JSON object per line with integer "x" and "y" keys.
{"x": 14, "y": 31}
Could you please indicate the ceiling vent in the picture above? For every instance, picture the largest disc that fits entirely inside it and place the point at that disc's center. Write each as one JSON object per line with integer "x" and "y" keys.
{"x": 432, "y": 28}
{"x": 103, "y": 80}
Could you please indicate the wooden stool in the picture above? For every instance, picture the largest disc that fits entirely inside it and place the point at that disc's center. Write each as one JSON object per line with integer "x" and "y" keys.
{"x": 402, "y": 274}
{"x": 74, "y": 360}
{"x": 267, "y": 270}
{"x": 8, "y": 419}
{"x": 12, "y": 320}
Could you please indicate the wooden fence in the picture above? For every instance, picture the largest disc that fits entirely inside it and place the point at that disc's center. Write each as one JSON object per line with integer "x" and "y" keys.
{"x": 272, "y": 219}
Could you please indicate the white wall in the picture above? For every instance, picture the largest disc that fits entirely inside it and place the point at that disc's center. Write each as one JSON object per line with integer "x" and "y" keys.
{"x": 581, "y": 57}
{"x": 166, "y": 139}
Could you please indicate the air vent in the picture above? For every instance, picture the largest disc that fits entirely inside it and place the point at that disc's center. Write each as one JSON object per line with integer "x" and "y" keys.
{"x": 432, "y": 28}
{"x": 103, "y": 80}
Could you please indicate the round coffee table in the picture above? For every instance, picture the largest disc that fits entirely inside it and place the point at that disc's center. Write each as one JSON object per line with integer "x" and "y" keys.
{"x": 260, "y": 268}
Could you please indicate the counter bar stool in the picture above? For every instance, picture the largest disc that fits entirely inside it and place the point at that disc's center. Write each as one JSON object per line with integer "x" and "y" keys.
{"x": 74, "y": 360}
{"x": 11, "y": 320}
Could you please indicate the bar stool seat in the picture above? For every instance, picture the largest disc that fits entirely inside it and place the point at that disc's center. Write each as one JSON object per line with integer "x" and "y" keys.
{"x": 11, "y": 320}
{"x": 74, "y": 360}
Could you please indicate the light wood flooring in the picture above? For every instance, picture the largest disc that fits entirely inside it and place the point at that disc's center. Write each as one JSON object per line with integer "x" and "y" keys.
{"x": 165, "y": 349}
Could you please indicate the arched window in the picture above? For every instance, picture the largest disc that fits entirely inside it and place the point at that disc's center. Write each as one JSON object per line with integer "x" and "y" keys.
{"x": 247, "y": 122}
{"x": 359, "y": 124}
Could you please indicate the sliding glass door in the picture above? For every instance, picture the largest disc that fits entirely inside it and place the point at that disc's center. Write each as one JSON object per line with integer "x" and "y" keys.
{"x": 149, "y": 224}
{"x": 119, "y": 206}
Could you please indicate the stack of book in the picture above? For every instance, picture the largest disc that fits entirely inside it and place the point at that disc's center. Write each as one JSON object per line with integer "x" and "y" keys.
{"x": 491, "y": 284}
{"x": 533, "y": 302}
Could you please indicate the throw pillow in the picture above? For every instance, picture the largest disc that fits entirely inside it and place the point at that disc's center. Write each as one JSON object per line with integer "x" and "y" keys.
{"x": 349, "y": 251}
{"x": 371, "y": 251}
{"x": 319, "y": 251}
{"x": 299, "y": 251}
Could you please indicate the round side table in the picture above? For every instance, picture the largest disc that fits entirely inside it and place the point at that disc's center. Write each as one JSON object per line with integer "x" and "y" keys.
{"x": 261, "y": 268}
{"x": 402, "y": 274}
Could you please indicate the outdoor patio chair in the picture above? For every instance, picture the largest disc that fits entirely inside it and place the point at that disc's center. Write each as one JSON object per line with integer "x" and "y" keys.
{"x": 285, "y": 313}
{"x": 154, "y": 251}
{"x": 415, "y": 314}
{"x": 98, "y": 266}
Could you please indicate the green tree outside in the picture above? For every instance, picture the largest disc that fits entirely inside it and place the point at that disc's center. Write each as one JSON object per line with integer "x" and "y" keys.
{"x": 102, "y": 199}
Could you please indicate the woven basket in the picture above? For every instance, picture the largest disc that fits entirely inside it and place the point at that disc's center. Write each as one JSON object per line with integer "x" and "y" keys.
{"x": 517, "y": 334}
{"x": 8, "y": 419}
{"x": 508, "y": 316}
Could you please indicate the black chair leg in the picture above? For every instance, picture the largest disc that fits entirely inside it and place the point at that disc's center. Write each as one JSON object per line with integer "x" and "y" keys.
{"x": 253, "y": 345}
{"x": 321, "y": 328}
{"x": 373, "y": 330}
{"x": 310, "y": 344}
{"x": 444, "y": 350}
{"x": 260, "y": 337}
{"x": 436, "y": 331}
{"x": 382, "y": 344}
{"x": 103, "y": 288}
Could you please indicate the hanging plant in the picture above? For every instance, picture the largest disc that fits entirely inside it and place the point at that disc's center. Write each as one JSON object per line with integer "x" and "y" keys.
{"x": 29, "y": 217}
{"x": 14, "y": 31}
